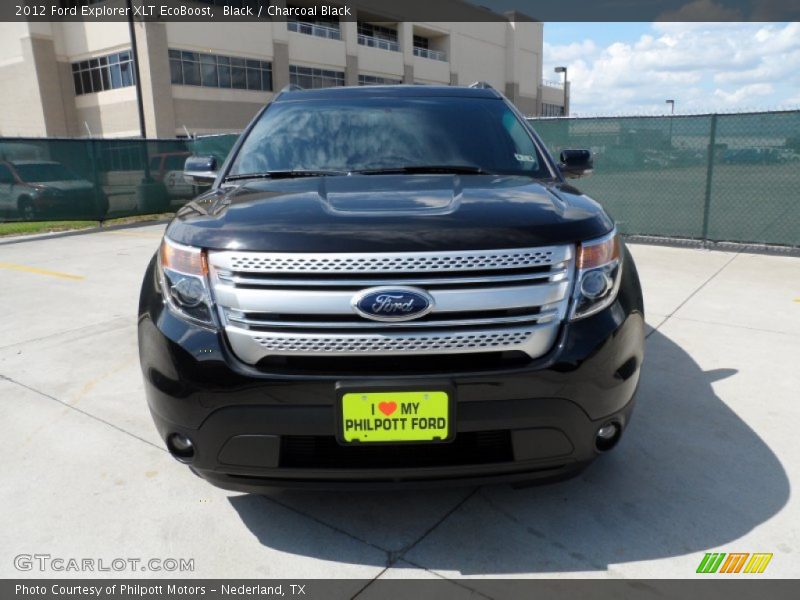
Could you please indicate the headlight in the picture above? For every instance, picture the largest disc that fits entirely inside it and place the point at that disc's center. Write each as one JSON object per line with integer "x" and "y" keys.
{"x": 183, "y": 273}
{"x": 599, "y": 267}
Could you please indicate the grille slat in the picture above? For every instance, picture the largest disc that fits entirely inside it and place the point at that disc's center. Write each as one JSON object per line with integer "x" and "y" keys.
{"x": 419, "y": 262}
{"x": 294, "y": 343}
{"x": 540, "y": 317}
{"x": 485, "y": 280}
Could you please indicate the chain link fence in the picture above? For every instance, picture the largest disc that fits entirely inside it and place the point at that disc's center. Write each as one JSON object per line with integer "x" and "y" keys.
{"x": 728, "y": 177}
{"x": 97, "y": 179}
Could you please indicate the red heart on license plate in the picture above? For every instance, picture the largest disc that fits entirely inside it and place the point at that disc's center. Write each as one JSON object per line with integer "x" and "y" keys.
{"x": 387, "y": 408}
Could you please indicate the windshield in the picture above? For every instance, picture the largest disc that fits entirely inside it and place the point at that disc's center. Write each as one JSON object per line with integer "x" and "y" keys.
{"x": 39, "y": 172}
{"x": 371, "y": 134}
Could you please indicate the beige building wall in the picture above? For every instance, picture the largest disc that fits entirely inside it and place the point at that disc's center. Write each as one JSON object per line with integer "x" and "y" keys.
{"x": 36, "y": 59}
{"x": 35, "y": 101}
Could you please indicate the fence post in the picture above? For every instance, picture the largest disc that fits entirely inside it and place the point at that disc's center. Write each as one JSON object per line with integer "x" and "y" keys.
{"x": 98, "y": 191}
{"x": 712, "y": 145}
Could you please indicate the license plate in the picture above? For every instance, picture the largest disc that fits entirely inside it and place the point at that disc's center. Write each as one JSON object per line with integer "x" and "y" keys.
{"x": 409, "y": 416}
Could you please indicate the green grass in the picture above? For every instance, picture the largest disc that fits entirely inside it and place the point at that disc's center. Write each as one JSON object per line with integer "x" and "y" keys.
{"x": 33, "y": 227}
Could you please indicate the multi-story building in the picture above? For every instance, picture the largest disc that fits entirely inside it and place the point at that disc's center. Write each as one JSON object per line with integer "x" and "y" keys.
{"x": 77, "y": 78}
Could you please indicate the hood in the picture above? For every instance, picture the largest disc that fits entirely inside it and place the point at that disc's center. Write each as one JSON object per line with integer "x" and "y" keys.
{"x": 389, "y": 213}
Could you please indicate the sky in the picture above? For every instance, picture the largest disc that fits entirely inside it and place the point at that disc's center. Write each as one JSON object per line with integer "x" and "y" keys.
{"x": 632, "y": 68}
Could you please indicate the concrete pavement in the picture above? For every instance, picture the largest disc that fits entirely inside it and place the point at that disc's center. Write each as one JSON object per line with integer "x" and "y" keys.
{"x": 707, "y": 464}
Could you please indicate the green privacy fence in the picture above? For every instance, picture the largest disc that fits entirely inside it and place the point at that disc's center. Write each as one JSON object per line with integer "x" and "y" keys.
{"x": 97, "y": 179}
{"x": 727, "y": 177}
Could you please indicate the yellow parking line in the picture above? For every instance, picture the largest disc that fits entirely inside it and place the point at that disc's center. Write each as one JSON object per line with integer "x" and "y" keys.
{"x": 38, "y": 271}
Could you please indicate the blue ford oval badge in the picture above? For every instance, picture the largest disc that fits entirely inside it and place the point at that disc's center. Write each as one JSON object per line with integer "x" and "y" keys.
{"x": 392, "y": 303}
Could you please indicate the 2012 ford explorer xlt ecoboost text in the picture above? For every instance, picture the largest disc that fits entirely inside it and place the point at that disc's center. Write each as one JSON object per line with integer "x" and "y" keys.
{"x": 390, "y": 286}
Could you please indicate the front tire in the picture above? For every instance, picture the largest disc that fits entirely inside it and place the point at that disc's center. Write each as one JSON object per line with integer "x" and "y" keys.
{"x": 26, "y": 209}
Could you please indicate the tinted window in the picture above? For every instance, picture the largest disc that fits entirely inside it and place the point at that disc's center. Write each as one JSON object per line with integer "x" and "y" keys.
{"x": 376, "y": 133}
{"x": 35, "y": 172}
{"x": 5, "y": 175}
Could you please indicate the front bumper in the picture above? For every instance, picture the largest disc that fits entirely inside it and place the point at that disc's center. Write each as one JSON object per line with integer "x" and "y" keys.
{"x": 253, "y": 429}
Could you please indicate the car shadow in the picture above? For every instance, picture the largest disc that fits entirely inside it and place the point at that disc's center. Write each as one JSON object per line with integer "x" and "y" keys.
{"x": 688, "y": 475}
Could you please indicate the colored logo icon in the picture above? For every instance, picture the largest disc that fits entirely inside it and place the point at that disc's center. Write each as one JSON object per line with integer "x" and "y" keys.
{"x": 734, "y": 562}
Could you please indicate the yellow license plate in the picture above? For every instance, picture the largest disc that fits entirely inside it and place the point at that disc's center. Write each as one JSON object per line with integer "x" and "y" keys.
{"x": 395, "y": 416}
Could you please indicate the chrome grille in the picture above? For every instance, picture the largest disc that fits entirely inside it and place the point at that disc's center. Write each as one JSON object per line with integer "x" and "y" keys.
{"x": 301, "y": 304}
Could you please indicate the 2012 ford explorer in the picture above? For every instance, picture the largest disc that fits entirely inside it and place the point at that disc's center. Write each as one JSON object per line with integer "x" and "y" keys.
{"x": 390, "y": 286}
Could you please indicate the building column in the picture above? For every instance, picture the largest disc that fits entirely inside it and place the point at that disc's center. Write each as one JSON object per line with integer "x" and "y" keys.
{"x": 57, "y": 101}
{"x": 405, "y": 35}
{"x": 156, "y": 81}
{"x": 280, "y": 50}
{"x": 350, "y": 37}
{"x": 280, "y": 65}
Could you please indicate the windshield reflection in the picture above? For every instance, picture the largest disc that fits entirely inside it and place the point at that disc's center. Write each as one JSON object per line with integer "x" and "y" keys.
{"x": 368, "y": 134}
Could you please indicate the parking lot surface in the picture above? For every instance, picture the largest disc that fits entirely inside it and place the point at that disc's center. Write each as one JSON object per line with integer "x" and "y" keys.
{"x": 707, "y": 464}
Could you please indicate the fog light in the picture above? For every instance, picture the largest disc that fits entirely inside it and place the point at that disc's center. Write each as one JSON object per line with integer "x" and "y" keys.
{"x": 594, "y": 284}
{"x": 607, "y": 437}
{"x": 607, "y": 432}
{"x": 180, "y": 446}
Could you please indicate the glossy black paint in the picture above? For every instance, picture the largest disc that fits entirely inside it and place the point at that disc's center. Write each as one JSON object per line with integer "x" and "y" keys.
{"x": 385, "y": 213}
{"x": 239, "y": 415}
{"x": 196, "y": 386}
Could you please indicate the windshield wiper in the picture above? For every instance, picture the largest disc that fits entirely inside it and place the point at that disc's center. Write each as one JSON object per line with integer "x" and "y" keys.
{"x": 454, "y": 169}
{"x": 285, "y": 174}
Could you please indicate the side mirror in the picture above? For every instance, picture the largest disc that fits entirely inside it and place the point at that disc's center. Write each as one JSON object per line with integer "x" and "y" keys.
{"x": 576, "y": 163}
{"x": 200, "y": 170}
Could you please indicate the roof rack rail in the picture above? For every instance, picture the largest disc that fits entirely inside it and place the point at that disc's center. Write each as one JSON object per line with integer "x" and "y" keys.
{"x": 481, "y": 85}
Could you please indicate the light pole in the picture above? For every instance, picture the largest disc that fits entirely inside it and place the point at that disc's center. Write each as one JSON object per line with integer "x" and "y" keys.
{"x": 136, "y": 74}
{"x": 564, "y": 71}
{"x": 672, "y": 106}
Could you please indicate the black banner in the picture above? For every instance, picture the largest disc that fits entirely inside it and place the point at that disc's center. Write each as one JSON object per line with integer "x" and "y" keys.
{"x": 713, "y": 588}
{"x": 400, "y": 10}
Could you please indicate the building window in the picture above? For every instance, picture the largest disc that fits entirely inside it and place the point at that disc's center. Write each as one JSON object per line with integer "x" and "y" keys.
{"x": 213, "y": 70}
{"x": 376, "y": 80}
{"x": 310, "y": 78}
{"x": 103, "y": 73}
{"x": 332, "y": 33}
{"x": 377, "y": 36}
{"x": 552, "y": 110}
{"x": 422, "y": 48}
{"x": 325, "y": 27}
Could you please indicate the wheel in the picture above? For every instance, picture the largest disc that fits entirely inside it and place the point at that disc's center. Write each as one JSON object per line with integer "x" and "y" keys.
{"x": 26, "y": 209}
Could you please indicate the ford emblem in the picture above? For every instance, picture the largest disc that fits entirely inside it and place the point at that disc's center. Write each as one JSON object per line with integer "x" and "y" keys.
{"x": 392, "y": 303}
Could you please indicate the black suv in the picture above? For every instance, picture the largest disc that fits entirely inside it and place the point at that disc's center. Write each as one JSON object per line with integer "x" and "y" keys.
{"x": 389, "y": 286}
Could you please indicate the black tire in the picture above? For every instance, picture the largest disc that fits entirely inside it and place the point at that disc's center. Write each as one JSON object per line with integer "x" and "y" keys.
{"x": 26, "y": 209}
